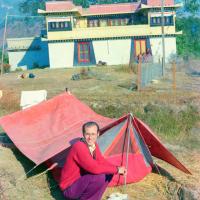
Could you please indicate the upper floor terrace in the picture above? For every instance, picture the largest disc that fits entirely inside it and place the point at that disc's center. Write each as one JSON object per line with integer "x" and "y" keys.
{"x": 65, "y": 21}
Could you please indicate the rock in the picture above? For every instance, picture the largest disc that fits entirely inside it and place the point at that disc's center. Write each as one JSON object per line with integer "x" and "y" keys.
{"x": 133, "y": 86}
{"x": 118, "y": 196}
{"x": 187, "y": 194}
{"x": 75, "y": 77}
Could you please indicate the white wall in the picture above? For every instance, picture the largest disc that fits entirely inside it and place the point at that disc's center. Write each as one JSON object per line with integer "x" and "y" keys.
{"x": 26, "y": 59}
{"x": 112, "y": 51}
{"x": 156, "y": 47}
{"x": 61, "y": 54}
{"x": 27, "y": 52}
{"x": 14, "y": 59}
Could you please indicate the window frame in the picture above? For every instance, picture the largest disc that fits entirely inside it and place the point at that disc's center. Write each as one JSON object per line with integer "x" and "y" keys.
{"x": 140, "y": 42}
{"x": 59, "y": 26}
{"x": 157, "y": 21}
{"x": 83, "y": 60}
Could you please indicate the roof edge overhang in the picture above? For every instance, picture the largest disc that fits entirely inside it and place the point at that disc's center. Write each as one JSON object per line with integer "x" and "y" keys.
{"x": 44, "y": 12}
{"x": 100, "y": 14}
{"x": 178, "y": 5}
{"x": 23, "y": 38}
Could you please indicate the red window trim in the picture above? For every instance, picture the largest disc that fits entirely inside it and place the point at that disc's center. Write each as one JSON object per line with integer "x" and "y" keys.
{"x": 79, "y": 57}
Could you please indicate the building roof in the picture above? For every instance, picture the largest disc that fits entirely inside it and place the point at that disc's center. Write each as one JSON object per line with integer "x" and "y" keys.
{"x": 68, "y": 6}
{"x": 156, "y": 3}
{"x": 111, "y": 8}
{"x": 103, "y": 9}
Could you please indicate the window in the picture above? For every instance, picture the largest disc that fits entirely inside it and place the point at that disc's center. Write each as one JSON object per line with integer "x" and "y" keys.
{"x": 157, "y": 21}
{"x": 93, "y": 23}
{"x": 103, "y": 22}
{"x": 59, "y": 26}
{"x": 53, "y": 25}
{"x": 112, "y": 22}
{"x": 83, "y": 52}
{"x": 124, "y": 21}
{"x": 119, "y": 22}
{"x": 66, "y": 24}
{"x": 62, "y": 25}
{"x": 154, "y": 21}
{"x": 169, "y": 20}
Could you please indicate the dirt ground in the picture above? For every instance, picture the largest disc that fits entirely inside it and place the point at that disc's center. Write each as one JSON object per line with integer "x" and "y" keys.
{"x": 106, "y": 86}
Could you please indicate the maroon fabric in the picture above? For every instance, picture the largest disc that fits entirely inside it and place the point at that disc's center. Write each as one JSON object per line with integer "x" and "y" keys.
{"x": 79, "y": 160}
{"x": 42, "y": 131}
{"x": 88, "y": 187}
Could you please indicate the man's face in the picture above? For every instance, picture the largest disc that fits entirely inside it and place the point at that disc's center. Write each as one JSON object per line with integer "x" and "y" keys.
{"x": 91, "y": 135}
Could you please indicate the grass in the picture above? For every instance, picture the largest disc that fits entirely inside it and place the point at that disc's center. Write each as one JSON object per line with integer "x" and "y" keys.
{"x": 168, "y": 124}
{"x": 171, "y": 124}
{"x": 127, "y": 68}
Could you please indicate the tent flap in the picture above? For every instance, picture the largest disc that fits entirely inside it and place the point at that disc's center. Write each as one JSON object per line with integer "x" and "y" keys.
{"x": 155, "y": 146}
{"x": 43, "y": 130}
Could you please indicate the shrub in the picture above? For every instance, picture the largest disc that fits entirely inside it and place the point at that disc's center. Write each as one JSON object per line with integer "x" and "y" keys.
{"x": 18, "y": 69}
{"x": 86, "y": 73}
{"x": 169, "y": 123}
{"x": 6, "y": 68}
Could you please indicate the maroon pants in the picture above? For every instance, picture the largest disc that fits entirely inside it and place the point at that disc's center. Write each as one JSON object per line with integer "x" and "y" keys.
{"x": 88, "y": 187}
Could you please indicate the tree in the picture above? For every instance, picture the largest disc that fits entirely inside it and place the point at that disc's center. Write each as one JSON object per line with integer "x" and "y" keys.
{"x": 189, "y": 42}
{"x": 5, "y": 57}
{"x": 192, "y": 6}
{"x": 30, "y": 7}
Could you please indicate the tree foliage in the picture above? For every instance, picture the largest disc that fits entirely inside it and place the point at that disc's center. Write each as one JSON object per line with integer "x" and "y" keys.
{"x": 30, "y": 7}
{"x": 5, "y": 57}
{"x": 192, "y": 6}
{"x": 189, "y": 42}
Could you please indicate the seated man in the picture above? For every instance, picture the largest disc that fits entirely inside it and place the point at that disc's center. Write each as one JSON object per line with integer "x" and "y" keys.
{"x": 86, "y": 173}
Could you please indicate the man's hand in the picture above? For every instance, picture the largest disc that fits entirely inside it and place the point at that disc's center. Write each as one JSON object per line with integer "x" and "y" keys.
{"x": 122, "y": 170}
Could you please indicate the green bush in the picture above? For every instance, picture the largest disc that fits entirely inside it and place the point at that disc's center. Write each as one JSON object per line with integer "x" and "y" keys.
{"x": 6, "y": 68}
{"x": 188, "y": 43}
{"x": 170, "y": 124}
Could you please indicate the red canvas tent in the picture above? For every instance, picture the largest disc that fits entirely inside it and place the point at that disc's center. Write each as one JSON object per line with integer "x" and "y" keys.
{"x": 45, "y": 131}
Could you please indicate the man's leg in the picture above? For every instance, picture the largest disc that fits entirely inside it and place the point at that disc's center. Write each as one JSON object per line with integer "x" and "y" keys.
{"x": 88, "y": 187}
{"x": 96, "y": 187}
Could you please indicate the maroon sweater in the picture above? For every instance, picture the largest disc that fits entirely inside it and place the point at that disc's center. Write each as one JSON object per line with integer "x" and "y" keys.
{"x": 80, "y": 161}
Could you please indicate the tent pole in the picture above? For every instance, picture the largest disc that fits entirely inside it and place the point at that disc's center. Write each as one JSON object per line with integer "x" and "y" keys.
{"x": 128, "y": 146}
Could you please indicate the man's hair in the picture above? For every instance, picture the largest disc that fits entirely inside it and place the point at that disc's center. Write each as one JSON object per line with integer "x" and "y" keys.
{"x": 89, "y": 124}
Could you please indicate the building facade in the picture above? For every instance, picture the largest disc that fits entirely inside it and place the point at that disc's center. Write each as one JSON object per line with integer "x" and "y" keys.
{"x": 110, "y": 33}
